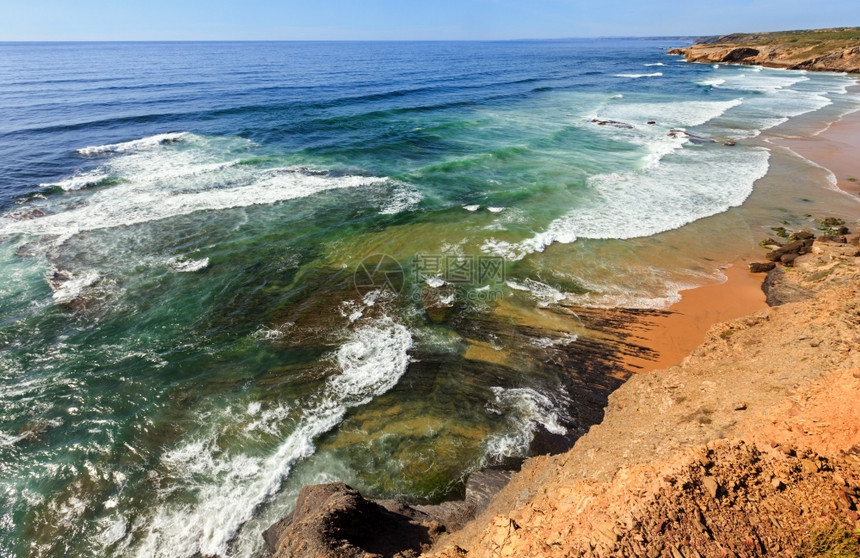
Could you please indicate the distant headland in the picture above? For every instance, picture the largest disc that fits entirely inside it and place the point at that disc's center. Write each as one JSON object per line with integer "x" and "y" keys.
{"x": 825, "y": 50}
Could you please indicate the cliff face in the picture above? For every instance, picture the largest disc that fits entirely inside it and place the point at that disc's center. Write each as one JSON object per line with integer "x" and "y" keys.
{"x": 750, "y": 447}
{"x": 831, "y": 50}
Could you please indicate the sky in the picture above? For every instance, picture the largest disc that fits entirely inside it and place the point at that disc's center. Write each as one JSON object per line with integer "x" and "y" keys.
{"x": 103, "y": 20}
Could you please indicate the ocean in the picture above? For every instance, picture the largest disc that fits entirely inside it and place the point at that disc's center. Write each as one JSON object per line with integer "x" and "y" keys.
{"x": 233, "y": 269}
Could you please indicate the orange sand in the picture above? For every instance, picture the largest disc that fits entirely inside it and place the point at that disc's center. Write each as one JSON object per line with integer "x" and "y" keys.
{"x": 674, "y": 336}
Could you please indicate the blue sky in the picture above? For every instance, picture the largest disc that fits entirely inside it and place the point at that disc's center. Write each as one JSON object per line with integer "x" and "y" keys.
{"x": 406, "y": 19}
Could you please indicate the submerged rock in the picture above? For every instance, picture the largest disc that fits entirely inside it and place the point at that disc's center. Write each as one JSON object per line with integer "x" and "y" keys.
{"x": 613, "y": 123}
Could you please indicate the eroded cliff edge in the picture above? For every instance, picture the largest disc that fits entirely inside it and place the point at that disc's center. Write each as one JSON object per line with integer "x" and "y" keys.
{"x": 828, "y": 50}
{"x": 750, "y": 447}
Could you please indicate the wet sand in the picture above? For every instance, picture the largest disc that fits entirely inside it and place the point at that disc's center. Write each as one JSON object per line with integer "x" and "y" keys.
{"x": 675, "y": 335}
{"x": 837, "y": 149}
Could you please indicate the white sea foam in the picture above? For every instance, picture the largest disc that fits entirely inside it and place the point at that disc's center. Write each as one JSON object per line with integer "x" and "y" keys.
{"x": 657, "y": 138}
{"x": 635, "y": 76}
{"x": 543, "y": 293}
{"x": 371, "y": 363}
{"x": 760, "y": 82}
{"x": 72, "y": 287}
{"x": 673, "y": 115}
{"x": 524, "y": 409}
{"x": 434, "y": 282}
{"x": 135, "y": 145}
{"x": 401, "y": 199}
{"x": 765, "y": 111}
{"x": 79, "y": 181}
{"x": 184, "y": 265}
{"x": 655, "y": 64}
{"x": 135, "y": 202}
{"x": 626, "y": 299}
{"x": 694, "y": 185}
{"x": 712, "y": 81}
{"x": 158, "y": 180}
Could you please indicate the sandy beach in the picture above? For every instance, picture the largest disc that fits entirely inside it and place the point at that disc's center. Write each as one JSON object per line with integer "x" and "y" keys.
{"x": 835, "y": 149}
{"x": 673, "y": 336}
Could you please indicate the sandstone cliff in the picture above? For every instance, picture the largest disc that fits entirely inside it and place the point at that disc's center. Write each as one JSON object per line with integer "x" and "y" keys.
{"x": 750, "y": 447}
{"x": 831, "y": 50}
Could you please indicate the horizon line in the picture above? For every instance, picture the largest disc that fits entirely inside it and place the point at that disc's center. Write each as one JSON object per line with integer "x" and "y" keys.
{"x": 522, "y": 39}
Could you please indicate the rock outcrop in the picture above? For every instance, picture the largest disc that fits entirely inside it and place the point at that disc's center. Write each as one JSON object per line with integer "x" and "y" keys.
{"x": 830, "y": 50}
{"x": 750, "y": 447}
{"x": 334, "y": 520}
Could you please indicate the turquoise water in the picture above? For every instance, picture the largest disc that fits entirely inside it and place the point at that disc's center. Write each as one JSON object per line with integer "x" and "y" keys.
{"x": 182, "y": 343}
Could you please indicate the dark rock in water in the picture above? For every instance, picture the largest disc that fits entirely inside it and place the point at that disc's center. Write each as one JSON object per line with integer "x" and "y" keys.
{"x": 651, "y": 122}
{"x": 334, "y": 520}
{"x": 761, "y": 267}
{"x": 831, "y": 222}
{"x": 729, "y": 143}
{"x": 694, "y": 139}
{"x": 27, "y": 215}
{"x": 439, "y": 303}
{"x": 613, "y": 123}
{"x": 480, "y": 489}
{"x": 800, "y": 235}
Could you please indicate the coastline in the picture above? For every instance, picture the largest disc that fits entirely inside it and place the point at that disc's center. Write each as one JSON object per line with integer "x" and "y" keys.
{"x": 834, "y": 148}
{"x": 673, "y": 335}
{"x": 763, "y": 408}
{"x": 707, "y": 392}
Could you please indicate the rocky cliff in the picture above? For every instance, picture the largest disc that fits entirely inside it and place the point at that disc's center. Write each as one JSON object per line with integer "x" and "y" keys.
{"x": 750, "y": 447}
{"x": 830, "y": 50}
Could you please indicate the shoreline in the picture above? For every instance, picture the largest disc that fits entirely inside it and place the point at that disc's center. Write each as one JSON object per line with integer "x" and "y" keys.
{"x": 683, "y": 327}
{"x": 673, "y": 336}
{"x": 833, "y": 150}
{"x": 716, "y": 333}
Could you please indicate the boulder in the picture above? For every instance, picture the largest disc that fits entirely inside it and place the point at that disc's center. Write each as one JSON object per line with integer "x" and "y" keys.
{"x": 788, "y": 259}
{"x": 335, "y": 521}
{"x": 761, "y": 267}
{"x": 798, "y": 247}
{"x": 800, "y": 235}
